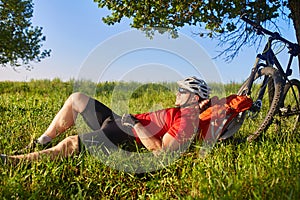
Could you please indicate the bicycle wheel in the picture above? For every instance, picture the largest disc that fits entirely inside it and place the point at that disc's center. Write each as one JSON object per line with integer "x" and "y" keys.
{"x": 289, "y": 112}
{"x": 260, "y": 116}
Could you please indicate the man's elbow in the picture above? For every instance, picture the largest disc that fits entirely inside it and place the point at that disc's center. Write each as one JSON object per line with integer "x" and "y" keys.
{"x": 156, "y": 147}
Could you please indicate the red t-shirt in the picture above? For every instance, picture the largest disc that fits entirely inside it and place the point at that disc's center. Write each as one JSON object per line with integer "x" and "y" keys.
{"x": 181, "y": 123}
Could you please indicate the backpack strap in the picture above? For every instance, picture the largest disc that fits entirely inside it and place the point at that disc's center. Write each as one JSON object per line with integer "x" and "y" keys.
{"x": 215, "y": 120}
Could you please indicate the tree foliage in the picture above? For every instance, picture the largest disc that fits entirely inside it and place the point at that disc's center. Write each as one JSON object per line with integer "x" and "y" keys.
{"x": 216, "y": 19}
{"x": 20, "y": 42}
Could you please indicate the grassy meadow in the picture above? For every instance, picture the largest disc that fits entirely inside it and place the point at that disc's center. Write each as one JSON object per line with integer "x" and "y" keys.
{"x": 268, "y": 168}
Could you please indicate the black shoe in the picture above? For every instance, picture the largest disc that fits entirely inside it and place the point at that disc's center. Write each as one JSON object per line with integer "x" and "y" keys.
{"x": 3, "y": 158}
{"x": 34, "y": 145}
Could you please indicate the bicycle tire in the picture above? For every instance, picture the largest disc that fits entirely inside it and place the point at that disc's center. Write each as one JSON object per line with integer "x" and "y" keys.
{"x": 289, "y": 112}
{"x": 270, "y": 101}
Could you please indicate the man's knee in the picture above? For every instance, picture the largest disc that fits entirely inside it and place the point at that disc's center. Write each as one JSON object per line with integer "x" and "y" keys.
{"x": 68, "y": 146}
{"x": 78, "y": 101}
{"x": 72, "y": 141}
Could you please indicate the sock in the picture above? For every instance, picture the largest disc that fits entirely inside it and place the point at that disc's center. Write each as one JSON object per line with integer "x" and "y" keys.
{"x": 44, "y": 139}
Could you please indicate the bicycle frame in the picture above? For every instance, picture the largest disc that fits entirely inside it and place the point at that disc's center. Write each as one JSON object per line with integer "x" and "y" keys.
{"x": 275, "y": 78}
{"x": 270, "y": 60}
{"x": 262, "y": 60}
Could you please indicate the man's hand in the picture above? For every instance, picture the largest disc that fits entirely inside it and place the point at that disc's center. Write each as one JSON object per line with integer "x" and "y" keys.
{"x": 129, "y": 120}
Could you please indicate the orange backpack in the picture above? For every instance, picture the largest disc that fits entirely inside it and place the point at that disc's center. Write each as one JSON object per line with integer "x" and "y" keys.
{"x": 213, "y": 121}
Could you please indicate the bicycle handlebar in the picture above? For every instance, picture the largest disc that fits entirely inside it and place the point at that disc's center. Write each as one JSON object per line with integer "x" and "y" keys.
{"x": 293, "y": 47}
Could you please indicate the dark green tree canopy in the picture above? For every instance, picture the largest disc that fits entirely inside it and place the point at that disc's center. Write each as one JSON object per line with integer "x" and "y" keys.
{"x": 216, "y": 19}
{"x": 20, "y": 42}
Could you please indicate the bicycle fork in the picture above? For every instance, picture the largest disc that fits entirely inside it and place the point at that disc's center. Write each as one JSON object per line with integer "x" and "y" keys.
{"x": 257, "y": 104}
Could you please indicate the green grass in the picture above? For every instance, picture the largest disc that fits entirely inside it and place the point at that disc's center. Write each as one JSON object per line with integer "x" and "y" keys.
{"x": 269, "y": 168}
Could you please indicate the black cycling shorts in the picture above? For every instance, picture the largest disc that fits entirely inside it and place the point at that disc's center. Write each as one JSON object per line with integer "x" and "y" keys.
{"x": 108, "y": 133}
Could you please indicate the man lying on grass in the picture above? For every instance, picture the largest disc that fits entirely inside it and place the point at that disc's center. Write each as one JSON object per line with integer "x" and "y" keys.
{"x": 159, "y": 131}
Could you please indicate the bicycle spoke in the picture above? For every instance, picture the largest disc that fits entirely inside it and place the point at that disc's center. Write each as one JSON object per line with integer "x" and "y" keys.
{"x": 288, "y": 117}
{"x": 265, "y": 92}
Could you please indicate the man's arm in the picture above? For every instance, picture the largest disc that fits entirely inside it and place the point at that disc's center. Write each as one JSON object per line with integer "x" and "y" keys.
{"x": 148, "y": 140}
{"x": 167, "y": 143}
{"x": 152, "y": 143}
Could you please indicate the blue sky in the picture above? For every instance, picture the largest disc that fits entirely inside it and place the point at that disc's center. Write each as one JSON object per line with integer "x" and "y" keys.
{"x": 74, "y": 31}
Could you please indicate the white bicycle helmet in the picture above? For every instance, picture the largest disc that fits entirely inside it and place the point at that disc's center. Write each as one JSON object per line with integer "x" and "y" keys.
{"x": 195, "y": 85}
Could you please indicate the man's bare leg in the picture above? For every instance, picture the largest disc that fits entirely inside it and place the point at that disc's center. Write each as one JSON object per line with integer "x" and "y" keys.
{"x": 69, "y": 146}
{"x": 66, "y": 117}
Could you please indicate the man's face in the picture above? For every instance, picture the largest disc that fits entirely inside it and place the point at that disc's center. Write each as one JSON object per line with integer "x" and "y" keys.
{"x": 183, "y": 96}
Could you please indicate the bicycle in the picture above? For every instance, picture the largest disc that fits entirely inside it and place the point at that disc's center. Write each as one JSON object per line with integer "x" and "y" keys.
{"x": 275, "y": 97}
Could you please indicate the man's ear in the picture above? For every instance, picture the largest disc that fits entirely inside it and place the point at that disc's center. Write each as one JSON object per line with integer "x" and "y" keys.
{"x": 196, "y": 98}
